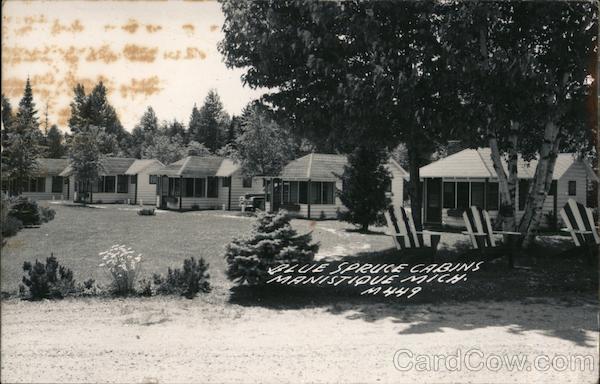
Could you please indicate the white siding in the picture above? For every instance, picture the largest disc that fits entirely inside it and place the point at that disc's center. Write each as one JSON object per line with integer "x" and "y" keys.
{"x": 238, "y": 190}
{"x": 146, "y": 192}
{"x": 202, "y": 202}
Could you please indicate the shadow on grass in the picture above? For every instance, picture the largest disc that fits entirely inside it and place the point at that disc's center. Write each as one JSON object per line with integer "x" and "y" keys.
{"x": 548, "y": 276}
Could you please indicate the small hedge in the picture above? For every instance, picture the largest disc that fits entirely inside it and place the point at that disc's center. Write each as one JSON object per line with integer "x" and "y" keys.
{"x": 48, "y": 281}
{"x": 146, "y": 212}
{"x": 188, "y": 282}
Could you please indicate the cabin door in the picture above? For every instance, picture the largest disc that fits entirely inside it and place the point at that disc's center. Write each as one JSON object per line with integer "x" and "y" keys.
{"x": 164, "y": 191}
{"x": 276, "y": 196}
{"x": 434, "y": 201}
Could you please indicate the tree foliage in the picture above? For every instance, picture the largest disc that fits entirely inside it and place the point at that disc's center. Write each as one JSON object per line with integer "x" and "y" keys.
{"x": 55, "y": 141}
{"x": 86, "y": 159}
{"x": 93, "y": 109}
{"x": 364, "y": 181}
{"x": 263, "y": 147}
{"x": 20, "y": 141}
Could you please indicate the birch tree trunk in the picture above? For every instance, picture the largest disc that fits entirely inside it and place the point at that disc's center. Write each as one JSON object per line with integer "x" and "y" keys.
{"x": 414, "y": 185}
{"x": 540, "y": 186}
{"x": 506, "y": 183}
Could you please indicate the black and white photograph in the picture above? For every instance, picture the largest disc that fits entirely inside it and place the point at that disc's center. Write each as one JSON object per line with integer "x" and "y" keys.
{"x": 300, "y": 191}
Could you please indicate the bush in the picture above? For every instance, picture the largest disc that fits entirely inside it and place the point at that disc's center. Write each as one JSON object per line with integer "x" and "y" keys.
{"x": 146, "y": 212}
{"x": 273, "y": 242}
{"x": 187, "y": 282}
{"x": 123, "y": 266}
{"x": 48, "y": 281}
{"x": 195, "y": 207}
{"x": 25, "y": 210}
{"x": 11, "y": 226}
{"x": 47, "y": 214}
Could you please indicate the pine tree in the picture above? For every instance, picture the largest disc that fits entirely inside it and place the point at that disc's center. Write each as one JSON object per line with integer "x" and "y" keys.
{"x": 27, "y": 113}
{"x": 143, "y": 133}
{"x": 7, "y": 117}
{"x": 364, "y": 182}
{"x": 95, "y": 110}
{"x": 54, "y": 138}
{"x": 213, "y": 120}
{"x": 79, "y": 110}
{"x": 195, "y": 126}
{"x": 22, "y": 144}
{"x": 273, "y": 242}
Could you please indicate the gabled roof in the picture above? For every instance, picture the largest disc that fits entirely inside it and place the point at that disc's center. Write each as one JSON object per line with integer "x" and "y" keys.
{"x": 110, "y": 165}
{"x": 192, "y": 166}
{"x": 320, "y": 166}
{"x": 477, "y": 163}
{"x": 50, "y": 167}
{"x": 227, "y": 168}
{"x": 146, "y": 165}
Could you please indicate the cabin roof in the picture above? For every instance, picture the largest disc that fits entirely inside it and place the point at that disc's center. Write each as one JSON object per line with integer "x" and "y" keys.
{"x": 192, "y": 166}
{"x": 227, "y": 168}
{"x": 110, "y": 165}
{"x": 50, "y": 167}
{"x": 321, "y": 166}
{"x": 140, "y": 166}
{"x": 477, "y": 163}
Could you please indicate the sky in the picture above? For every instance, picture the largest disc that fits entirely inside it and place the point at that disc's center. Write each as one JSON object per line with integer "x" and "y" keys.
{"x": 159, "y": 54}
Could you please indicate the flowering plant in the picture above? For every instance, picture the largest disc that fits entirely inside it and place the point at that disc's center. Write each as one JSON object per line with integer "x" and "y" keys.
{"x": 123, "y": 266}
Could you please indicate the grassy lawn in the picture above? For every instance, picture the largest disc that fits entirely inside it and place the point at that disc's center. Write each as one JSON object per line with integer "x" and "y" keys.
{"x": 78, "y": 234}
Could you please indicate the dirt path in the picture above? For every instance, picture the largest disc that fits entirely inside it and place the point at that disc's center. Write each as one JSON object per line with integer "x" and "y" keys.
{"x": 177, "y": 340}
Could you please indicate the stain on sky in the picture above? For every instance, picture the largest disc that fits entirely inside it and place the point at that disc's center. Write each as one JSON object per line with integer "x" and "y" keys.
{"x": 66, "y": 65}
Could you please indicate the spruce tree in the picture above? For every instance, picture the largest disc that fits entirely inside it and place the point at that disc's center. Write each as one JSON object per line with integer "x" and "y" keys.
{"x": 364, "y": 183}
{"x": 213, "y": 120}
{"x": 7, "y": 117}
{"x": 22, "y": 144}
{"x": 195, "y": 126}
{"x": 273, "y": 242}
{"x": 56, "y": 148}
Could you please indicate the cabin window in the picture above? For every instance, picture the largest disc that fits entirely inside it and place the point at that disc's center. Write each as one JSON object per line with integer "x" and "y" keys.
{"x": 523, "y": 191}
{"x": 315, "y": 193}
{"x": 122, "y": 185}
{"x": 247, "y": 182}
{"x": 491, "y": 200}
{"x": 286, "y": 191}
{"x": 329, "y": 193}
{"x": 212, "y": 189}
{"x": 133, "y": 179}
{"x": 109, "y": 184}
{"x": 294, "y": 192}
{"x": 152, "y": 179}
{"x": 450, "y": 195}
{"x": 267, "y": 185}
{"x": 462, "y": 195}
{"x": 226, "y": 183}
{"x": 387, "y": 187}
{"x": 199, "y": 187}
{"x": 57, "y": 184}
{"x": 572, "y": 188}
{"x": 188, "y": 187}
{"x": 303, "y": 192}
{"x": 37, "y": 184}
{"x": 477, "y": 194}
